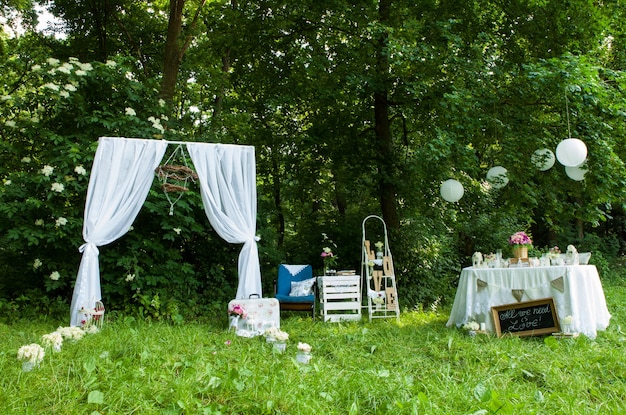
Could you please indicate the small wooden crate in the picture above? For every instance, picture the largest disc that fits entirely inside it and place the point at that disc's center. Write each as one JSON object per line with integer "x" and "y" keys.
{"x": 340, "y": 297}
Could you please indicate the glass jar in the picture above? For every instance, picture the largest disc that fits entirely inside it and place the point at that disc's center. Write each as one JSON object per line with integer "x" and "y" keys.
{"x": 303, "y": 357}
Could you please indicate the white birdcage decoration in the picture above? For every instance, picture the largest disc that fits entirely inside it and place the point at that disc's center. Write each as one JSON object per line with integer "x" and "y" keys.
{"x": 92, "y": 316}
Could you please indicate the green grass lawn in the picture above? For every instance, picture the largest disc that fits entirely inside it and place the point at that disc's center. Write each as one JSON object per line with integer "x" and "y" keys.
{"x": 412, "y": 366}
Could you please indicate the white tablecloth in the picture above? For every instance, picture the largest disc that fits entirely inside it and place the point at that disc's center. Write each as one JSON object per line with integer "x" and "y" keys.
{"x": 577, "y": 292}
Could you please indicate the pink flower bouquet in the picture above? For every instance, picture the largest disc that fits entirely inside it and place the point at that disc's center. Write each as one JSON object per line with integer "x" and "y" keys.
{"x": 520, "y": 238}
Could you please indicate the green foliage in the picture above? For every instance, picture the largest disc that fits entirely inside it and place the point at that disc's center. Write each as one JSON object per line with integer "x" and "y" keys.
{"x": 53, "y": 114}
{"x": 467, "y": 86}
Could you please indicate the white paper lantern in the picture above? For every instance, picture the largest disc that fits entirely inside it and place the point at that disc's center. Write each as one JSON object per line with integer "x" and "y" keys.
{"x": 451, "y": 190}
{"x": 497, "y": 177}
{"x": 576, "y": 172}
{"x": 543, "y": 159}
{"x": 571, "y": 152}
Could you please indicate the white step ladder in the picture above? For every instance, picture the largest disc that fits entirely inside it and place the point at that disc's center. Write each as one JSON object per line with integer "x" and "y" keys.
{"x": 377, "y": 270}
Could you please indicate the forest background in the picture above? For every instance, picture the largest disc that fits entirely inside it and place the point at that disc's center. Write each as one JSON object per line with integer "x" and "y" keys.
{"x": 354, "y": 108}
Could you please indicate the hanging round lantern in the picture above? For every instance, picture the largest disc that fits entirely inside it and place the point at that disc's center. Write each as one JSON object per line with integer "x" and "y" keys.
{"x": 571, "y": 152}
{"x": 451, "y": 190}
{"x": 576, "y": 172}
{"x": 543, "y": 159}
{"x": 497, "y": 177}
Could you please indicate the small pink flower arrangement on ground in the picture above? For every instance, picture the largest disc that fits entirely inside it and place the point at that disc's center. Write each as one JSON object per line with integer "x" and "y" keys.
{"x": 237, "y": 310}
{"x": 520, "y": 238}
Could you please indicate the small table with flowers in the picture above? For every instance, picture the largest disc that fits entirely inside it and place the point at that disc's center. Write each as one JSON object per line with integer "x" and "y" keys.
{"x": 577, "y": 292}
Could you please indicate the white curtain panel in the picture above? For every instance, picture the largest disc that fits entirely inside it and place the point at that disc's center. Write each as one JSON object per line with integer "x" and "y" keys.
{"x": 227, "y": 176}
{"x": 121, "y": 176}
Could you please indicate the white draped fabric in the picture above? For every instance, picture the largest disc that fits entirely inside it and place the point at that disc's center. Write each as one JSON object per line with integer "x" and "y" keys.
{"x": 227, "y": 176}
{"x": 121, "y": 177}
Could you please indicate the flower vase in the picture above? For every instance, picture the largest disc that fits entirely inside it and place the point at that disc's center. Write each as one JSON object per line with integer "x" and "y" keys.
{"x": 28, "y": 366}
{"x": 233, "y": 323}
{"x": 520, "y": 251}
{"x": 280, "y": 346}
{"x": 303, "y": 357}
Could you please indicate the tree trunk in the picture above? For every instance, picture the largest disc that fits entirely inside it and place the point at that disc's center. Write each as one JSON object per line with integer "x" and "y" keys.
{"x": 217, "y": 107}
{"x": 172, "y": 56}
{"x": 387, "y": 191}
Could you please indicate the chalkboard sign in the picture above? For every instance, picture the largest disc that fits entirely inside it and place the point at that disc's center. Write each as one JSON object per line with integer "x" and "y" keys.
{"x": 529, "y": 318}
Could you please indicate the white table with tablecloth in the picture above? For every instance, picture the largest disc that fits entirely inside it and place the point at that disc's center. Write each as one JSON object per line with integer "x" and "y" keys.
{"x": 577, "y": 292}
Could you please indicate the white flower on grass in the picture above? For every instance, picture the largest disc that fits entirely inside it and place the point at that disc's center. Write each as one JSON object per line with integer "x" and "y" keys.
{"x": 64, "y": 94}
{"x": 71, "y": 333}
{"x": 80, "y": 170}
{"x": 69, "y": 87}
{"x": 130, "y": 277}
{"x": 10, "y": 123}
{"x": 54, "y": 339}
{"x": 177, "y": 230}
{"x": 85, "y": 66}
{"x": 303, "y": 347}
{"x": 39, "y": 222}
{"x": 51, "y": 86}
{"x": 129, "y": 76}
{"x": 111, "y": 64}
{"x": 7, "y": 182}
{"x": 130, "y": 111}
{"x": 57, "y": 187}
{"x": 61, "y": 221}
{"x": 47, "y": 170}
{"x": 471, "y": 325}
{"x": 26, "y": 160}
{"x": 161, "y": 102}
{"x": 37, "y": 263}
{"x": 34, "y": 353}
{"x": 5, "y": 97}
{"x": 55, "y": 276}
{"x": 80, "y": 72}
{"x": 53, "y": 61}
{"x": 35, "y": 68}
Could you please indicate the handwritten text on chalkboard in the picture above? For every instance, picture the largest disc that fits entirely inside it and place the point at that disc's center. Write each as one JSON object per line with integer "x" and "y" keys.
{"x": 526, "y": 318}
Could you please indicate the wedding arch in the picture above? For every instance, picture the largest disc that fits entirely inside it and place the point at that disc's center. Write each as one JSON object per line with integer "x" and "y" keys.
{"x": 121, "y": 177}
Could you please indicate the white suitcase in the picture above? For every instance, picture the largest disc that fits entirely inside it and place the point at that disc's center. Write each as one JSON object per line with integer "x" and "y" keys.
{"x": 262, "y": 313}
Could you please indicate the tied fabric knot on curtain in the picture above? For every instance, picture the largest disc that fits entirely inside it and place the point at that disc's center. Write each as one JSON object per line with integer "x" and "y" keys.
{"x": 89, "y": 247}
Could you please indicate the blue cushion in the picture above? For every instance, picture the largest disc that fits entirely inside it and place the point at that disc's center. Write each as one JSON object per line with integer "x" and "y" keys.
{"x": 289, "y": 273}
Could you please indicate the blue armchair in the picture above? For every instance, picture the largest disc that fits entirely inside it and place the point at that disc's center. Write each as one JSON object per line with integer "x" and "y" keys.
{"x": 295, "y": 288}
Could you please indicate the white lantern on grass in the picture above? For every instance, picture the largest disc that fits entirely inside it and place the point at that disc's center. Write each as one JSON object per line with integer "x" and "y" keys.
{"x": 497, "y": 177}
{"x": 451, "y": 190}
{"x": 571, "y": 152}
